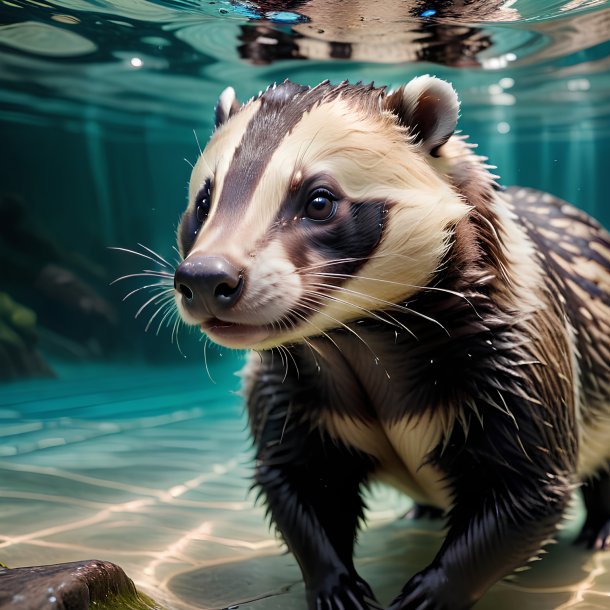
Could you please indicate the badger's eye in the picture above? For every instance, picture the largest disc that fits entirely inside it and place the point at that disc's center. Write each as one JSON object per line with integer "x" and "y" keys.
{"x": 321, "y": 206}
{"x": 202, "y": 203}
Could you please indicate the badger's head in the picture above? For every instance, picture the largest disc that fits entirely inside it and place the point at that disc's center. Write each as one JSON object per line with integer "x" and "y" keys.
{"x": 310, "y": 208}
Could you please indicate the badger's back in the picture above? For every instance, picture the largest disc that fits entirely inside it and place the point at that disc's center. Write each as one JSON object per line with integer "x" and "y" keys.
{"x": 574, "y": 250}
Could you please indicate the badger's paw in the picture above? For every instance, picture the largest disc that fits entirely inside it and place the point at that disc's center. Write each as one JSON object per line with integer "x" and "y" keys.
{"x": 342, "y": 593}
{"x": 428, "y": 590}
{"x": 595, "y": 534}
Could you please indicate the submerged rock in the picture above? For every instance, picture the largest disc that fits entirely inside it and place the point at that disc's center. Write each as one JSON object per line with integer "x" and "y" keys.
{"x": 18, "y": 338}
{"x": 75, "y": 311}
{"x": 70, "y": 586}
{"x": 62, "y": 287}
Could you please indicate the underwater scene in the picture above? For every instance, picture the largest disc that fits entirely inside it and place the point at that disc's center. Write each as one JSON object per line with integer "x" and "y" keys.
{"x": 123, "y": 433}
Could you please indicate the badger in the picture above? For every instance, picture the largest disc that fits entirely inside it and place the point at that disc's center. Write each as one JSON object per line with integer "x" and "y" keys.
{"x": 408, "y": 321}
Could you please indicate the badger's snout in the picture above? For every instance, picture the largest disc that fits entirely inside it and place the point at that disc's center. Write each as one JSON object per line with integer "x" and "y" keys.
{"x": 209, "y": 285}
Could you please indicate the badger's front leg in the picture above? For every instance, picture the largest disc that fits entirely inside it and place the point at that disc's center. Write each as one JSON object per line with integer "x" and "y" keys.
{"x": 510, "y": 488}
{"x": 311, "y": 484}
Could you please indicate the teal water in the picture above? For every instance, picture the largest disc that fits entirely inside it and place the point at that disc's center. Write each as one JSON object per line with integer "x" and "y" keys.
{"x": 149, "y": 467}
{"x": 131, "y": 452}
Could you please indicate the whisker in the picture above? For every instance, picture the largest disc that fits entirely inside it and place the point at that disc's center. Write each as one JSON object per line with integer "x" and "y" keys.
{"x": 173, "y": 318}
{"x": 180, "y": 258}
{"x": 282, "y": 324}
{"x": 170, "y": 310}
{"x": 166, "y": 303}
{"x": 197, "y": 140}
{"x": 336, "y": 299}
{"x": 156, "y": 255}
{"x": 177, "y": 252}
{"x": 284, "y": 362}
{"x": 202, "y": 158}
{"x": 145, "y": 273}
{"x": 301, "y": 156}
{"x": 296, "y": 366}
{"x": 351, "y": 330}
{"x": 396, "y": 306}
{"x": 406, "y": 285}
{"x": 336, "y": 261}
{"x": 340, "y": 261}
{"x": 158, "y": 286}
{"x": 152, "y": 299}
{"x": 272, "y": 358}
{"x": 313, "y": 353}
{"x": 379, "y": 316}
{"x": 136, "y": 253}
{"x": 205, "y": 359}
{"x": 175, "y": 330}
{"x": 304, "y": 319}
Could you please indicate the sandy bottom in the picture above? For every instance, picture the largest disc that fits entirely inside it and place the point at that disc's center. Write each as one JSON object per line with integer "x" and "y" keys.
{"x": 149, "y": 468}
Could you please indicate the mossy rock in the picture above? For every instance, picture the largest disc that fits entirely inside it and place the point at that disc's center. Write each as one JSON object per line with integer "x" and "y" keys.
{"x": 80, "y": 585}
{"x": 18, "y": 339}
{"x": 10, "y": 338}
{"x": 21, "y": 318}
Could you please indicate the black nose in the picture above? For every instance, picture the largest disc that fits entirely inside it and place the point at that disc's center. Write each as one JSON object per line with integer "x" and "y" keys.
{"x": 209, "y": 284}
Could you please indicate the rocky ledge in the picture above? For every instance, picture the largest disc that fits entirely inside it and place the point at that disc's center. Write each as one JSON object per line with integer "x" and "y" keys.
{"x": 80, "y": 585}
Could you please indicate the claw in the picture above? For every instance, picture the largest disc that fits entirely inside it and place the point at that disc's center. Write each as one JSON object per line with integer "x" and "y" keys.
{"x": 595, "y": 536}
{"x": 602, "y": 541}
{"x": 348, "y": 595}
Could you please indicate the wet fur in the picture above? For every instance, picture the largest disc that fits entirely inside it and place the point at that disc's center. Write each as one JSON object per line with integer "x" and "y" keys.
{"x": 484, "y": 389}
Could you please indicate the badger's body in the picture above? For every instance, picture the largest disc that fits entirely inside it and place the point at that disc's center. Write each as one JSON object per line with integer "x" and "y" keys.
{"x": 413, "y": 323}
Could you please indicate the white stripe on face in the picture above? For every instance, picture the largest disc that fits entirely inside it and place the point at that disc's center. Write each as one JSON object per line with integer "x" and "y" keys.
{"x": 215, "y": 160}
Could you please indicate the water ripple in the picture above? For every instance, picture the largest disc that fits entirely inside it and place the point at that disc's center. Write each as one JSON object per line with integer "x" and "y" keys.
{"x": 170, "y": 59}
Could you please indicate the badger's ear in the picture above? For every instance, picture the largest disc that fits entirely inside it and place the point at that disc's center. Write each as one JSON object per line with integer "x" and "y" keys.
{"x": 226, "y": 107}
{"x": 429, "y": 107}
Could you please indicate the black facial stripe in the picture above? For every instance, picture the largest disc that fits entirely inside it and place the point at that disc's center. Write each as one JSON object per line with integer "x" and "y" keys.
{"x": 353, "y": 234}
{"x": 188, "y": 231}
{"x": 295, "y": 203}
{"x": 278, "y": 114}
{"x": 190, "y": 223}
{"x": 354, "y": 237}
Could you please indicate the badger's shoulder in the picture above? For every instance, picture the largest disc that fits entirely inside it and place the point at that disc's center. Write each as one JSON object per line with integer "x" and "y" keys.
{"x": 575, "y": 253}
{"x": 570, "y": 241}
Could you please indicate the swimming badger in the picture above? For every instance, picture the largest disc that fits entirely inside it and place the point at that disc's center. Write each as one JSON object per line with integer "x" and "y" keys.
{"x": 414, "y": 323}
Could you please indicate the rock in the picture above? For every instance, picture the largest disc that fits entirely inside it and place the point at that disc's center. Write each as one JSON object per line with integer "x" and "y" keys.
{"x": 75, "y": 310}
{"x": 70, "y": 586}
{"x": 63, "y": 288}
{"x": 18, "y": 338}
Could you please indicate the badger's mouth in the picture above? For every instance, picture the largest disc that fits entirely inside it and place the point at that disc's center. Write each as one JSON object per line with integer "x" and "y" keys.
{"x": 242, "y": 305}
{"x": 234, "y": 334}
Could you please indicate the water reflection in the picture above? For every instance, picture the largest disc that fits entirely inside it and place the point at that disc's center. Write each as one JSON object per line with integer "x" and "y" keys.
{"x": 385, "y": 32}
{"x": 460, "y": 34}
{"x": 170, "y": 58}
